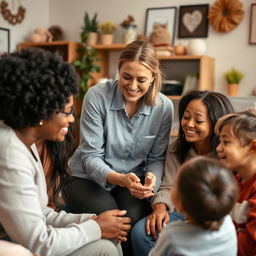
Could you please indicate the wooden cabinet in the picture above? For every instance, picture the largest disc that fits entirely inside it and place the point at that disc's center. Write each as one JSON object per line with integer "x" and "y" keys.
{"x": 67, "y": 49}
{"x": 173, "y": 67}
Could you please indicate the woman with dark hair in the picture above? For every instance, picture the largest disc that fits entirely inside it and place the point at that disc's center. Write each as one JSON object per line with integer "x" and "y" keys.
{"x": 198, "y": 113}
{"x": 54, "y": 156}
{"x": 36, "y": 102}
{"x": 125, "y": 126}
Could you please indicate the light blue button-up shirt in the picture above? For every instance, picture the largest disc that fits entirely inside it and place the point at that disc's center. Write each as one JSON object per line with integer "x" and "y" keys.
{"x": 111, "y": 141}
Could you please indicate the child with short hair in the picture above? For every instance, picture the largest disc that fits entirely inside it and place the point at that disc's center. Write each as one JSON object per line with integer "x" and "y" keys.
{"x": 205, "y": 191}
{"x": 237, "y": 151}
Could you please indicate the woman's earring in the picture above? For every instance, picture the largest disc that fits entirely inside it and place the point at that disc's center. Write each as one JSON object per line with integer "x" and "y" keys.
{"x": 41, "y": 123}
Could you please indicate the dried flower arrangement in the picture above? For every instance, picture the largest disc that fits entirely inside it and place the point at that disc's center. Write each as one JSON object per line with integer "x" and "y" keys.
{"x": 129, "y": 22}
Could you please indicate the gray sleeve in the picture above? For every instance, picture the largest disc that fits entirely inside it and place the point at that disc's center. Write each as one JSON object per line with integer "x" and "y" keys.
{"x": 157, "y": 154}
{"x": 63, "y": 219}
{"x": 92, "y": 141}
{"x": 22, "y": 216}
{"x": 170, "y": 172}
{"x": 163, "y": 245}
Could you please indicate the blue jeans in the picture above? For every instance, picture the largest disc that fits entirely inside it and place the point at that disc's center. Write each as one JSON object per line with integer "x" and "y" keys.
{"x": 142, "y": 243}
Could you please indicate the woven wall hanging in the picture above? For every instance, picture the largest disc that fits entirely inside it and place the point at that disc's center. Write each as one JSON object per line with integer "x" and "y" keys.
{"x": 12, "y": 18}
{"x": 225, "y": 15}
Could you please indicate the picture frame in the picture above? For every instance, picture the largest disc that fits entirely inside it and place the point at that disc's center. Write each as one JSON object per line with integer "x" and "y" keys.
{"x": 161, "y": 15}
{"x": 4, "y": 40}
{"x": 193, "y": 21}
{"x": 252, "y": 28}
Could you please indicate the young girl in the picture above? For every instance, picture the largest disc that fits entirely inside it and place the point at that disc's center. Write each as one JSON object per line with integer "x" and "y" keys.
{"x": 198, "y": 113}
{"x": 237, "y": 151}
{"x": 205, "y": 192}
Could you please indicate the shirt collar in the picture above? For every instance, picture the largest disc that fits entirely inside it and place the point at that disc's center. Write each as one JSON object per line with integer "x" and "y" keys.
{"x": 118, "y": 102}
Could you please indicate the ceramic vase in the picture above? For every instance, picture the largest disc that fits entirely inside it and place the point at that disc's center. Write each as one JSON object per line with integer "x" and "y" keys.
{"x": 107, "y": 38}
{"x": 196, "y": 47}
{"x": 92, "y": 38}
{"x": 233, "y": 89}
{"x": 130, "y": 34}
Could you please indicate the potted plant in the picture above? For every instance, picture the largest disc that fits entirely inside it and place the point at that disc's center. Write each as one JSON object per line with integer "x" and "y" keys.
{"x": 233, "y": 77}
{"x": 107, "y": 28}
{"x": 90, "y": 29}
{"x": 86, "y": 63}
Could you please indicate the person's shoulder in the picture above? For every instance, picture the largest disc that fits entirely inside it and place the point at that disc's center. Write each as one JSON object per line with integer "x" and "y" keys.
{"x": 103, "y": 88}
{"x": 6, "y": 134}
{"x": 164, "y": 99}
{"x": 101, "y": 93}
{"x": 173, "y": 145}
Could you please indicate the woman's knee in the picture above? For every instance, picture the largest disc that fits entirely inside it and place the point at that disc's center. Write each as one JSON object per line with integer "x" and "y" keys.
{"x": 102, "y": 247}
{"x": 139, "y": 229}
{"x": 83, "y": 196}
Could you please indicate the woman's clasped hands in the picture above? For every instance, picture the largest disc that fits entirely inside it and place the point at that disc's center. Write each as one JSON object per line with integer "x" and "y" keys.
{"x": 133, "y": 183}
{"x": 113, "y": 224}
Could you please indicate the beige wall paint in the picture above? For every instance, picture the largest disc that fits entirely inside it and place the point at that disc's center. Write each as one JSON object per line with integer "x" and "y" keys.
{"x": 228, "y": 49}
{"x": 37, "y": 15}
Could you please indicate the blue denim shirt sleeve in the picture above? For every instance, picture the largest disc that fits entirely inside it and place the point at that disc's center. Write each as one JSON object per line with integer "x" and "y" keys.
{"x": 156, "y": 157}
{"x": 92, "y": 140}
{"x": 111, "y": 141}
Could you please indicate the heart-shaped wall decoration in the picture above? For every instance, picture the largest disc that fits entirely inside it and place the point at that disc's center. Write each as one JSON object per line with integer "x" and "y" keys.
{"x": 192, "y": 20}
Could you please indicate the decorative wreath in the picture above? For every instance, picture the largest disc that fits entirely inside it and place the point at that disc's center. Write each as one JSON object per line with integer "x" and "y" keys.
{"x": 225, "y": 15}
{"x": 12, "y": 18}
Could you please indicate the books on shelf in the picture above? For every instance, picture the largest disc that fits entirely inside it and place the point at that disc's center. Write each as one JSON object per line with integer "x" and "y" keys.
{"x": 190, "y": 83}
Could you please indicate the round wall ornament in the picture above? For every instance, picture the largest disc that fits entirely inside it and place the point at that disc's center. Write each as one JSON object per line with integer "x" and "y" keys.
{"x": 225, "y": 15}
{"x": 12, "y": 18}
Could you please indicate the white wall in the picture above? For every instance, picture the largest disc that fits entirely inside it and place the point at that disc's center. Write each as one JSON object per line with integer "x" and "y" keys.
{"x": 228, "y": 49}
{"x": 37, "y": 15}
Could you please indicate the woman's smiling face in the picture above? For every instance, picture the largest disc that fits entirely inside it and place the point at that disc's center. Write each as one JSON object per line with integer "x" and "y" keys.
{"x": 196, "y": 123}
{"x": 56, "y": 128}
{"x": 134, "y": 80}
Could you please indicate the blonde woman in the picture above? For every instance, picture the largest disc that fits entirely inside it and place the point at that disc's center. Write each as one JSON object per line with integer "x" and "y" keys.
{"x": 125, "y": 126}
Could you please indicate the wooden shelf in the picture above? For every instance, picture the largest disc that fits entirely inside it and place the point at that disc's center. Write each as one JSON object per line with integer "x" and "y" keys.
{"x": 174, "y": 67}
{"x": 67, "y": 49}
{"x": 109, "y": 47}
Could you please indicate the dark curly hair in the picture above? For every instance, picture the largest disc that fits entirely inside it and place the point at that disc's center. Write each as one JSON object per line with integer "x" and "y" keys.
{"x": 33, "y": 84}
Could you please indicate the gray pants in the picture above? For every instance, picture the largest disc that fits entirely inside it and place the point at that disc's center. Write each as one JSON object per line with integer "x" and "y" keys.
{"x": 101, "y": 247}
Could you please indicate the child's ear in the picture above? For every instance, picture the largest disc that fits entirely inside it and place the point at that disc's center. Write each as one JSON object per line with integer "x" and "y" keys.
{"x": 253, "y": 146}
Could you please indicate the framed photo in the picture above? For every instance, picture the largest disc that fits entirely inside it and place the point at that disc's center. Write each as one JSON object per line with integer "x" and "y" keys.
{"x": 165, "y": 17}
{"x": 193, "y": 21}
{"x": 252, "y": 30}
{"x": 4, "y": 40}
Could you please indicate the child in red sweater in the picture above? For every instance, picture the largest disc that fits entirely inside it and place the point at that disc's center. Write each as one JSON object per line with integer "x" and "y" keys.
{"x": 237, "y": 151}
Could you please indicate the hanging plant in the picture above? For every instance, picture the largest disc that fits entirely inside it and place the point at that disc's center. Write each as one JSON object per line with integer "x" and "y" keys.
{"x": 85, "y": 64}
{"x": 13, "y": 19}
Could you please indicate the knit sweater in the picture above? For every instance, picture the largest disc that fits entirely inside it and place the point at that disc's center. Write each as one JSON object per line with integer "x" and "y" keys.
{"x": 24, "y": 215}
{"x": 244, "y": 216}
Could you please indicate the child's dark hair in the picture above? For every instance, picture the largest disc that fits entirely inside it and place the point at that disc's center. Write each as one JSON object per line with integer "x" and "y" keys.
{"x": 207, "y": 191}
{"x": 217, "y": 106}
{"x": 243, "y": 125}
